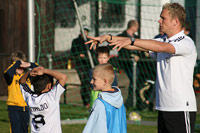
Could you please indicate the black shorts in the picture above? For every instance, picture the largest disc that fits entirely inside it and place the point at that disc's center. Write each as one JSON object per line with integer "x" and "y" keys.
{"x": 19, "y": 119}
{"x": 176, "y": 122}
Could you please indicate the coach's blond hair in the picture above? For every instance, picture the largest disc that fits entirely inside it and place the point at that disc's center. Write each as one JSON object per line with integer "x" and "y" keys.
{"x": 105, "y": 71}
{"x": 176, "y": 10}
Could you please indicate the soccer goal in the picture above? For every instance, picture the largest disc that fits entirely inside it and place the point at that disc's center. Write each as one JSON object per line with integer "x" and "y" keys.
{"x": 59, "y": 22}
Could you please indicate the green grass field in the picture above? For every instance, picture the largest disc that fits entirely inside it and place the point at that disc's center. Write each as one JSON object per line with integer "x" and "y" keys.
{"x": 74, "y": 112}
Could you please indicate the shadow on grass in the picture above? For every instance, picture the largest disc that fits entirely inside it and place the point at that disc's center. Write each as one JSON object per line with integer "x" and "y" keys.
{"x": 3, "y": 120}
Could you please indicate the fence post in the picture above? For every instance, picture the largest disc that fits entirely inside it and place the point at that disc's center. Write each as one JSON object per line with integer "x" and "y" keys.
{"x": 50, "y": 60}
{"x": 65, "y": 94}
{"x": 134, "y": 81}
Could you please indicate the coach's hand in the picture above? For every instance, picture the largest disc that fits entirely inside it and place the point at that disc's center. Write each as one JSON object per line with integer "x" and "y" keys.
{"x": 120, "y": 43}
{"x": 96, "y": 40}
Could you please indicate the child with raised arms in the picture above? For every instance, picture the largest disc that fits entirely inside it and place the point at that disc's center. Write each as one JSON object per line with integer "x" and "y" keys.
{"x": 17, "y": 107}
{"x": 43, "y": 103}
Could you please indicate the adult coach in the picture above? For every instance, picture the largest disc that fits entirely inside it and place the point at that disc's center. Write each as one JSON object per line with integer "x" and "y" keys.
{"x": 176, "y": 56}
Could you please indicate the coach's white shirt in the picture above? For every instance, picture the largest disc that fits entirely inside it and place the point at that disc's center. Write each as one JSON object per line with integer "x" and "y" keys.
{"x": 174, "y": 86}
{"x": 44, "y": 109}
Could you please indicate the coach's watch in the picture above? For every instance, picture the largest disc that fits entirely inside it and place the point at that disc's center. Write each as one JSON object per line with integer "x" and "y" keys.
{"x": 132, "y": 40}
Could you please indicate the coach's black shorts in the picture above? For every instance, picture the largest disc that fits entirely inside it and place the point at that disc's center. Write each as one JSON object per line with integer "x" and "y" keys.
{"x": 19, "y": 119}
{"x": 176, "y": 122}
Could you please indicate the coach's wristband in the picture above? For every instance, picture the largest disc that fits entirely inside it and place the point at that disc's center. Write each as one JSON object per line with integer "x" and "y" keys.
{"x": 132, "y": 40}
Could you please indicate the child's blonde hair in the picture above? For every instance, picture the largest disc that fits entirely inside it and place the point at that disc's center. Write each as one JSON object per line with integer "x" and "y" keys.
{"x": 105, "y": 71}
{"x": 17, "y": 55}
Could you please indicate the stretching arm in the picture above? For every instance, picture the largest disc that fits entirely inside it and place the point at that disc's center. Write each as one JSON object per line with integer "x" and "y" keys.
{"x": 139, "y": 44}
{"x": 62, "y": 78}
{"x": 24, "y": 78}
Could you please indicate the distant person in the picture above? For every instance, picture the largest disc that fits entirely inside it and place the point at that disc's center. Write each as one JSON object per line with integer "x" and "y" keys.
{"x": 196, "y": 81}
{"x": 147, "y": 94}
{"x": 125, "y": 59}
{"x": 108, "y": 112}
{"x": 82, "y": 65}
{"x": 17, "y": 107}
{"x": 161, "y": 35}
{"x": 43, "y": 102}
{"x": 103, "y": 56}
{"x": 176, "y": 58}
{"x": 186, "y": 28}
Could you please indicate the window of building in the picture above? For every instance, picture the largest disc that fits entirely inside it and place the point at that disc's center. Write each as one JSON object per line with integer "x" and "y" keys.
{"x": 111, "y": 14}
{"x": 65, "y": 15}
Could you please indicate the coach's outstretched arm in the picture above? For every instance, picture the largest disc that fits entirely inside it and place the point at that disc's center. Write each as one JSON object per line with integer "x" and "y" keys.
{"x": 110, "y": 39}
{"x": 150, "y": 45}
{"x": 138, "y": 44}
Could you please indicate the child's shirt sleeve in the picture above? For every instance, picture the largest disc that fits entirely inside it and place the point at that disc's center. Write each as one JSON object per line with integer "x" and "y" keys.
{"x": 185, "y": 47}
{"x": 57, "y": 91}
{"x": 26, "y": 91}
{"x": 11, "y": 70}
{"x": 97, "y": 122}
{"x": 33, "y": 65}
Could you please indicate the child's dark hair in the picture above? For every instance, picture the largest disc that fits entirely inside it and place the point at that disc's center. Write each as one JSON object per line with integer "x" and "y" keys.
{"x": 102, "y": 50}
{"x": 17, "y": 55}
{"x": 39, "y": 82}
